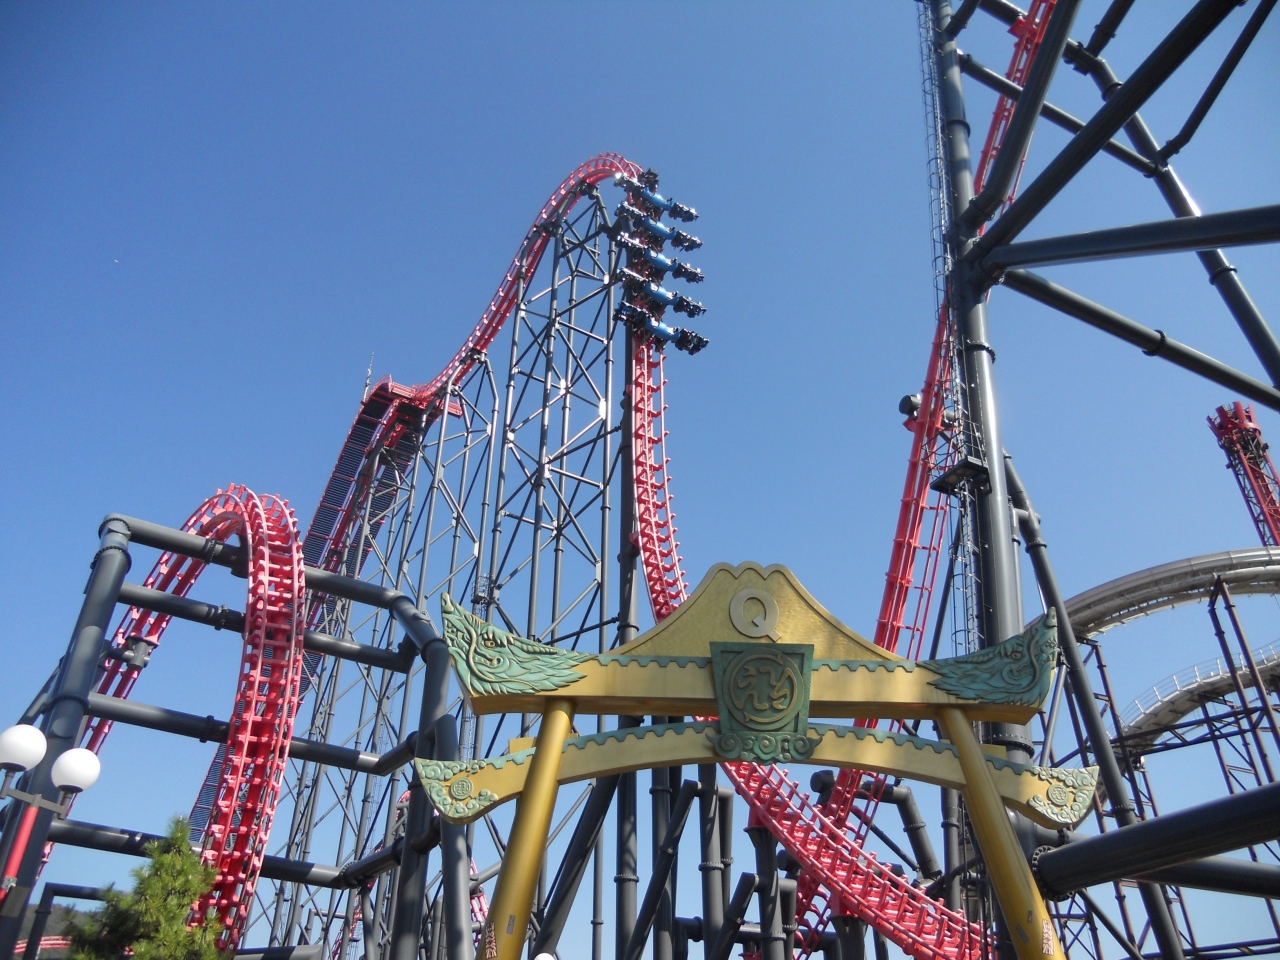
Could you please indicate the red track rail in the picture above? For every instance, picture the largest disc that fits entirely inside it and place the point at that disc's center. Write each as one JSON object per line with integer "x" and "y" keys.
{"x": 247, "y": 772}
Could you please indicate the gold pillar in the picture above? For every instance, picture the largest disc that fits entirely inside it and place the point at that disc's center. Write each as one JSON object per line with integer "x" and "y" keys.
{"x": 1030, "y": 926}
{"x": 508, "y": 921}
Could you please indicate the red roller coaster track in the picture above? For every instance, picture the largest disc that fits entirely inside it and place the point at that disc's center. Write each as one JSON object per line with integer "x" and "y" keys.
{"x": 247, "y": 773}
{"x": 236, "y": 808}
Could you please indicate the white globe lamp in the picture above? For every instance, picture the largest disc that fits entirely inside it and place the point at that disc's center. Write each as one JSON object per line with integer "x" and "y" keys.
{"x": 76, "y": 770}
{"x": 22, "y": 746}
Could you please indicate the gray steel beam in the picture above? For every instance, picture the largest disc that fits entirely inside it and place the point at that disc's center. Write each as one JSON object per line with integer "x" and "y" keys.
{"x": 223, "y": 618}
{"x": 1058, "y": 117}
{"x": 411, "y": 881}
{"x": 1162, "y": 924}
{"x": 768, "y": 893}
{"x": 311, "y": 951}
{"x": 184, "y": 608}
{"x": 210, "y": 730}
{"x": 663, "y": 863}
{"x": 1221, "y": 273}
{"x": 1000, "y": 606}
{"x": 574, "y": 865}
{"x": 1105, "y": 30}
{"x": 1231, "y": 228}
{"x": 414, "y": 621}
{"x": 455, "y": 861}
{"x": 734, "y": 914}
{"x": 45, "y": 908}
{"x": 1223, "y": 874}
{"x": 710, "y": 866}
{"x": 1154, "y": 343}
{"x": 1180, "y": 43}
{"x": 1004, "y": 11}
{"x": 192, "y": 545}
{"x": 1013, "y": 146}
{"x": 64, "y": 716}
{"x": 1218, "y": 826}
{"x": 914, "y": 827}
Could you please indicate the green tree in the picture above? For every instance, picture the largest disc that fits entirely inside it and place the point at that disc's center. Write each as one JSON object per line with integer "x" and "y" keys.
{"x": 153, "y": 920}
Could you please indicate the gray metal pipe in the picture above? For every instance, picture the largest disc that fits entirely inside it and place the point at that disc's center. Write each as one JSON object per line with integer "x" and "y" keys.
{"x": 1013, "y": 147}
{"x": 1162, "y": 924}
{"x": 45, "y": 907}
{"x": 1223, "y": 874}
{"x": 1154, "y": 343}
{"x": 1222, "y": 275}
{"x": 914, "y": 827}
{"x": 1231, "y": 228}
{"x": 573, "y": 867}
{"x": 768, "y": 893}
{"x": 455, "y": 861}
{"x": 1171, "y": 52}
{"x": 311, "y": 951}
{"x": 662, "y": 865}
{"x": 65, "y": 713}
{"x": 222, "y": 618}
{"x": 209, "y": 730}
{"x": 1218, "y": 826}
{"x": 1058, "y": 117}
{"x": 204, "y": 549}
{"x": 411, "y": 881}
{"x": 710, "y": 866}
{"x": 733, "y": 916}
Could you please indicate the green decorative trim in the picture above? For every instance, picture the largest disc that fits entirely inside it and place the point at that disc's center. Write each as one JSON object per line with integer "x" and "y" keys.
{"x": 762, "y": 693}
{"x": 639, "y": 733}
{"x": 459, "y": 799}
{"x": 627, "y": 659}
{"x": 490, "y": 661}
{"x": 883, "y": 736}
{"x": 1071, "y": 791}
{"x": 888, "y": 665}
{"x": 1016, "y": 671}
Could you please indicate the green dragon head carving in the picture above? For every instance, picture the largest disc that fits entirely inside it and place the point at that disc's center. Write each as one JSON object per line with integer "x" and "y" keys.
{"x": 491, "y": 661}
{"x": 1016, "y": 671}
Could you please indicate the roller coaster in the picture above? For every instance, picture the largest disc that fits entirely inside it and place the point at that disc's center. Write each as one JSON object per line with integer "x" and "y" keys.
{"x": 528, "y": 484}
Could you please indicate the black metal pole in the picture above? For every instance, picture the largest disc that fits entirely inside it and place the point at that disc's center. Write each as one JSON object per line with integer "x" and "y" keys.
{"x": 851, "y": 934}
{"x": 1221, "y": 273}
{"x": 1154, "y": 343}
{"x": 1228, "y": 823}
{"x": 411, "y": 883}
{"x": 951, "y": 847}
{"x": 1226, "y": 229}
{"x": 709, "y": 845}
{"x": 1162, "y": 924}
{"x": 1179, "y": 44}
{"x": 662, "y": 865}
{"x": 65, "y": 713}
{"x": 661, "y": 814}
{"x": 574, "y": 865}
{"x": 767, "y": 892}
{"x": 1017, "y": 137}
{"x": 724, "y": 808}
{"x": 455, "y": 861}
{"x": 997, "y": 563}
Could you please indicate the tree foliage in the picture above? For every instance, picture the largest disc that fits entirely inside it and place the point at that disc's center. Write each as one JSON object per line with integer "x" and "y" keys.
{"x": 154, "y": 919}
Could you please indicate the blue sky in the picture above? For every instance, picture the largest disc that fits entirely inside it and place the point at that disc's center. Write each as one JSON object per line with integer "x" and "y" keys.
{"x": 214, "y": 214}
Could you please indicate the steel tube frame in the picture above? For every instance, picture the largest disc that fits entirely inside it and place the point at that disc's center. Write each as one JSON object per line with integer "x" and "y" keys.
{"x": 1222, "y": 275}
{"x": 663, "y": 862}
{"x": 45, "y": 908}
{"x": 1154, "y": 343}
{"x": 573, "y": 867}
{"x": 1000, "y": 603}
{"x": 733, "y": 916}
{"x": 65, "y": 713}
{"x": 1227, "y": 229}
{"x": 1171, "y": 52}
{"x": 1162, "y": 924}
{"x": 1013, "y": 147}
{"x": 1221, "y": 825}
{"x": 1058, "y": 117}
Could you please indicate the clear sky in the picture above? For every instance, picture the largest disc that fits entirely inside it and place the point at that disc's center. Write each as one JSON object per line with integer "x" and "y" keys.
{"x": 214, "y": 213}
